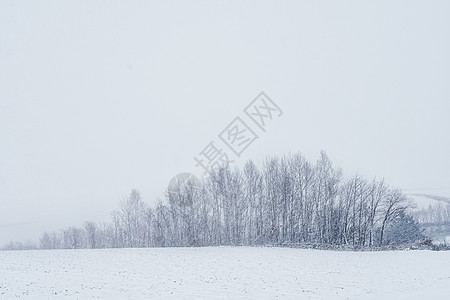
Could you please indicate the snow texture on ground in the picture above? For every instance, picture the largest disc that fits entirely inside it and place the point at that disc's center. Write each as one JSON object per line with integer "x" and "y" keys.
{"x": 223, "y": 273}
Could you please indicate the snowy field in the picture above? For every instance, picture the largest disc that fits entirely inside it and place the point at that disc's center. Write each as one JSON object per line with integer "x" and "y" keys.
{"x": 223, "y": 273}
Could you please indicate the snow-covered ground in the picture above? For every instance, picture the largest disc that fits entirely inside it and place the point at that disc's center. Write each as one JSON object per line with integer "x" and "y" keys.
{"x": 223, "y": 273}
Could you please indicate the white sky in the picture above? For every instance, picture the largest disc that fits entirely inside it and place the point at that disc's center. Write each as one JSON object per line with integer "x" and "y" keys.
{"x": 99, "y": 97}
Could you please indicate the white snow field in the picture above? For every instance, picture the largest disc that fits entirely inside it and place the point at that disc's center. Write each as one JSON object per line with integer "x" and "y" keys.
{"x": 223, "y": 273}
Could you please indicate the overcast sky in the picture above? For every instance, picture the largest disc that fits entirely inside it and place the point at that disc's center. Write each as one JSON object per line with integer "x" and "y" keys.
{"x": 100, "y": 97}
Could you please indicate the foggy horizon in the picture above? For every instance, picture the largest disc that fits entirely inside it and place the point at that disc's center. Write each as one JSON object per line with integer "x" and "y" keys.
{"x": 95, "y": 101}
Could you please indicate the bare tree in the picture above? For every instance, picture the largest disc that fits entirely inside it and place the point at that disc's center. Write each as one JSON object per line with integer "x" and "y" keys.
{"x": 394, "y": 204}
{"x": 92, "y": 234}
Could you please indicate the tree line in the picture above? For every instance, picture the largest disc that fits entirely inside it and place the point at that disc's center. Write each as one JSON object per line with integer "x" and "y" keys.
{"x": 289, "y": 200}
{"x": 434, "y": 214}
{"x": 435, "y": 220}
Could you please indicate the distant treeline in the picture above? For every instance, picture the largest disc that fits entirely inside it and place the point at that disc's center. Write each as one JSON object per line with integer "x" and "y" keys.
{"x": 289, "y": 200}
{"x": 434, "y": 214}
{"x": 436, "y": 221}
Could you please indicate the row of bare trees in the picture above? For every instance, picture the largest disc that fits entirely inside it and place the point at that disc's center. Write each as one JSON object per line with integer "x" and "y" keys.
{"x": 435, "y": 219}
{"x": 433, "y": 214}
{"x": 289, "y": 200}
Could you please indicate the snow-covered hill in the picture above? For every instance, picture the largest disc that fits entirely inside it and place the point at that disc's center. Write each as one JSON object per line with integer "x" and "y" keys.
{"x": 223, "y": 273}
{"x": 425, "y": 200}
